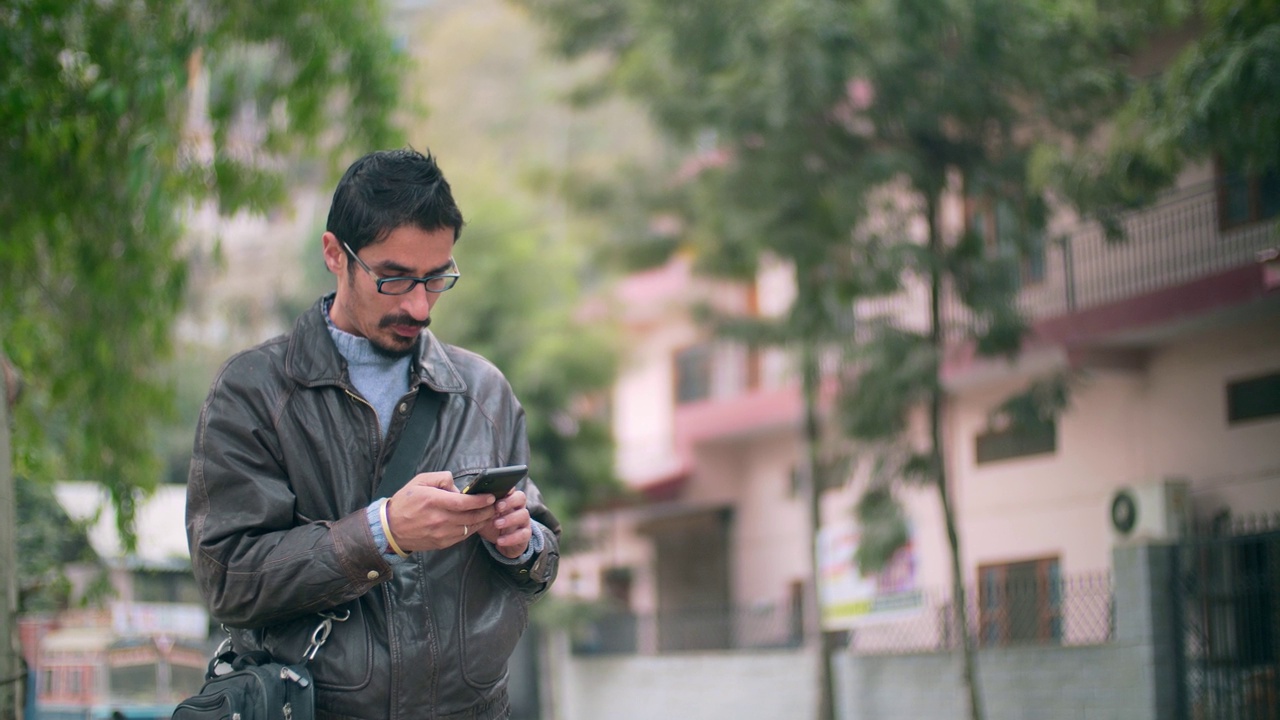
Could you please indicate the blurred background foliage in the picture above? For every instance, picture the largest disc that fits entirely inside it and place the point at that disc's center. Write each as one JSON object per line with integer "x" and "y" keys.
{"x": 100, "y": 167}
{"x": 582, "y": 137}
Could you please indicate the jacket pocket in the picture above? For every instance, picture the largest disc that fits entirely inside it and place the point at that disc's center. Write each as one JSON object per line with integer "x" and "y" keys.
{"x": 345, "y": 661}
{"x": 491, "y": 618}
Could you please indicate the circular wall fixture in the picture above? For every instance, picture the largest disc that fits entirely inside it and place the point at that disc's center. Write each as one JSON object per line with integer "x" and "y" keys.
{"x": 1124, "y": 512}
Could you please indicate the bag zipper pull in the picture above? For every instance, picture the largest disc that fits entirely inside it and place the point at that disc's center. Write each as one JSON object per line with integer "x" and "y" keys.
{"x": 287, "y": 673}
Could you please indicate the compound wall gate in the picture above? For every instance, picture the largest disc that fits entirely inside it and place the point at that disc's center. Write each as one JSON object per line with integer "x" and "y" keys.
{"x": 1227, "y": 623}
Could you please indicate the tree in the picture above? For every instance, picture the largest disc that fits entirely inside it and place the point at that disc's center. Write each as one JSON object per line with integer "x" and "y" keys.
{"x": 524, "y": 256}
{"x": 842, "y": 126}
{"x": 47, "y": 542}
{"x": 1217, "y": 100}
{"x": 105, "y": 151}
{"x": 519, "y": 306}
{"x": 102, "y": 162}
{"x": 1221, "y": 96}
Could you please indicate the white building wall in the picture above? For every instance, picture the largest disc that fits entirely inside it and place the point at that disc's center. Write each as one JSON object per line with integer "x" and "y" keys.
{"x": 1236, "y": 466}
{"x": 1122, "y": 428}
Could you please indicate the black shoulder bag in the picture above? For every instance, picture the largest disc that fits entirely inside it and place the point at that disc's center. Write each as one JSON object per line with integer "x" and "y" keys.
{"x": 253, "y": 685}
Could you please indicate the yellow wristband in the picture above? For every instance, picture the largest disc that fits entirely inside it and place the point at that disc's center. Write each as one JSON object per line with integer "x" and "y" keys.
{"x": 386, "y": 529}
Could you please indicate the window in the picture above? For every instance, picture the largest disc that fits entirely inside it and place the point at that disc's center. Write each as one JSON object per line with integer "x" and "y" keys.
{"x": 1246, "y": 198}
{"x": 1020, "y": 603}
{"x": 1253, "y": 398}
{"x": 693, "y": 374}
{"x": 999, "y": 226}
{"x": 1021, "y": 439}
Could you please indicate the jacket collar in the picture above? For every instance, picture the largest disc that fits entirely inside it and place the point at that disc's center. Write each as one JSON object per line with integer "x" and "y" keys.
{"x": 313, "y": 359}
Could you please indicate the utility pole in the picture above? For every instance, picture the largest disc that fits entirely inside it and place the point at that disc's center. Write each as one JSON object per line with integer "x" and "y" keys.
{"x": 12, "y": 679}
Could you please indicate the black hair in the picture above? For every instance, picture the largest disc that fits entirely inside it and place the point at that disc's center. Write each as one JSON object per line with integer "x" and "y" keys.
{"x": 389, "y": 189}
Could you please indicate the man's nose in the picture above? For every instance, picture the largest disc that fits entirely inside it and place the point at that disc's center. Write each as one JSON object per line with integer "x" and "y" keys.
{"x": 417, "y": 302}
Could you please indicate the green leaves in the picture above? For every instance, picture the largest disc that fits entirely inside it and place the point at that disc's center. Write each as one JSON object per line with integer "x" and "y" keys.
{"x": 884, "y": 529}
{"x": 102, "y": 160}
{"x": 519, "y": 304}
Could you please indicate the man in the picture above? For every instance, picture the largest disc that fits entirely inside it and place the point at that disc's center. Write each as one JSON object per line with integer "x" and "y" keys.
{"x": 283, "y": 518}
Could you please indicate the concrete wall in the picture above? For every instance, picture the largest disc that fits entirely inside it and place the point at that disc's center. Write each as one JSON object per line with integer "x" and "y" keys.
{"x": 689, "y": 686}
{"x": 1099, "y": 683}
{"x": 1134, "y": 677}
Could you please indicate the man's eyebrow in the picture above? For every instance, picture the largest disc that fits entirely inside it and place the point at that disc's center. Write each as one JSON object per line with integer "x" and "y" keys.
{"x": 395, "y": 267}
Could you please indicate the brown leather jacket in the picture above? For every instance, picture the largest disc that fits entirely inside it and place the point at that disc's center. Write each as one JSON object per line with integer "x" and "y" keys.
{"x": 287, "y": 456}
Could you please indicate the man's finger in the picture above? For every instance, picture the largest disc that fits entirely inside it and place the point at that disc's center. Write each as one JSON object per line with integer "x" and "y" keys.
{"x": 512, "y": 502}
{"x": 442, "y": 479}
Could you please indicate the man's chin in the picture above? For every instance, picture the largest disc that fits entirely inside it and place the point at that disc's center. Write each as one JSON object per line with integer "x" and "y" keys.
{"x": 395, "y": 348}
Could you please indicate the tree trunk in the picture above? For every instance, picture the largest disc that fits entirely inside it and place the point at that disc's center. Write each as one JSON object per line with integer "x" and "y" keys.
{"x": 817, "y": 639}
{"x": 936, "y": 340}
{"x": 12, "y": 679}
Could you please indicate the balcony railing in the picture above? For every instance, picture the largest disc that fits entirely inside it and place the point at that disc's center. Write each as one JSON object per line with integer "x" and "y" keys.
{"x": 1175, "y": 241}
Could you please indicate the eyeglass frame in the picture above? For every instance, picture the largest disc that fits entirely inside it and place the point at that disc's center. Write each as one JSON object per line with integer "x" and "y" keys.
{"x": 413, "y": 281}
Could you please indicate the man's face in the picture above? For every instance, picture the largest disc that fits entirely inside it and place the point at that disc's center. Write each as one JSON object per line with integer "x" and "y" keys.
{"x": 391, "y": 323}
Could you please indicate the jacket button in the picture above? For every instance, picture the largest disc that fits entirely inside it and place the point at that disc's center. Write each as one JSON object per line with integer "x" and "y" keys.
{"x": 404, "y": 408}
{"x": 373, "y": 575}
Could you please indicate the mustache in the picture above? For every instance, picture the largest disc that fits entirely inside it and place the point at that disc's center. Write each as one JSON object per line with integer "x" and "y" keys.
{"x": 406, "y": 320}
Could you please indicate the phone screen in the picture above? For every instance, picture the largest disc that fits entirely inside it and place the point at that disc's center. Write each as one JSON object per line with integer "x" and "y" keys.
{"x": 497, "y": 481}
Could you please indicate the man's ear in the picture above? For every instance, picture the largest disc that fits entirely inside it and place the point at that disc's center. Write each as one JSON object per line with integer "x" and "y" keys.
{"x": 335, "y": 257}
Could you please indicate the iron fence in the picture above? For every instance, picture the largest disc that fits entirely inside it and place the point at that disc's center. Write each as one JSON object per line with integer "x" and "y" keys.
{"x": 1227, "y": 587}
{"x": 755, "y": 628}
{"x": 1065, "y": 611}
{"x": 1074, "y": 610}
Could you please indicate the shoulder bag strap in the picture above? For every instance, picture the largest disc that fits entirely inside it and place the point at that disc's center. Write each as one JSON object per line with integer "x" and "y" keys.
{"x": 413, "y": 439}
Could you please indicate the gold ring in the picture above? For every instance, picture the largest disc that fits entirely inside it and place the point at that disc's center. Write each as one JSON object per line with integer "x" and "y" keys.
{"x": 465, "y": 530}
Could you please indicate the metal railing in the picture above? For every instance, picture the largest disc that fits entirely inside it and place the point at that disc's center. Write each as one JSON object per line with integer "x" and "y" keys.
{"x": 1176, "y": 240}
{"x": 1077, "y": 610}
{"x": 767, "y": 627}
{"x": 1227, "y": 624}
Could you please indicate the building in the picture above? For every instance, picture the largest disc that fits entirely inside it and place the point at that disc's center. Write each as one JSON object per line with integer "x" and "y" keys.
{"x": 146, "y": 648}
{"x": 1170, "y": 344}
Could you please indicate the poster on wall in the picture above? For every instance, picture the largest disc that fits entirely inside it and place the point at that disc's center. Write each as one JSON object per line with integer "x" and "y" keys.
{"x": 850, "y": 599}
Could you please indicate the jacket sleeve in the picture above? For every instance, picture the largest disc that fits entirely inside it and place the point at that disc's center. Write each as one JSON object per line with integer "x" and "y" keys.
{"x": 255, "y": 562}
{"x": 537, "y": 575}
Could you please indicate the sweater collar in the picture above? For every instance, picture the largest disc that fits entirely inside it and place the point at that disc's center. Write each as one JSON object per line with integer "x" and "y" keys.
{"x": 313, "y": 359}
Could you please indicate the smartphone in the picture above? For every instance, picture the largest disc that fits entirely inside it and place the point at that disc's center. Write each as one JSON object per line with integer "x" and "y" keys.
{"x": 497, "y": 481}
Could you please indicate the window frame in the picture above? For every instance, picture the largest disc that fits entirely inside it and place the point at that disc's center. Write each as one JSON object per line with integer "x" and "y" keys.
{"x": 995, "y": 628}
{"x": 1268, "y": 410}
{"x": 702, "y": 354}
{"x": 1022, "y": 438}
{"x": 1228, "y": 180}
{"x": 982, "y": 215}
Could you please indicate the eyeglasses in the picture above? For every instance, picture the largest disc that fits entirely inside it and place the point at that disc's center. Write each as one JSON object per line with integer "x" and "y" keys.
{"x": 402, "y": 285}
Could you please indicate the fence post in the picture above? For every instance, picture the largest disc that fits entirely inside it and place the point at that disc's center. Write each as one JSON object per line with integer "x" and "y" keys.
{"x": 1146, "y": 617}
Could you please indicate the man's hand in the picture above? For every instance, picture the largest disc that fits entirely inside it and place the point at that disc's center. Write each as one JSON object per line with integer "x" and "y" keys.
{"x": 510, "y": 528}
{"x": 430, "y": 514}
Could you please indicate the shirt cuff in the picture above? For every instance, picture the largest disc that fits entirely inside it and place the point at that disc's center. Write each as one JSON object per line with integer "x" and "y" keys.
{"x": 535, "y": 546}
{"x": 379, "y": 537}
